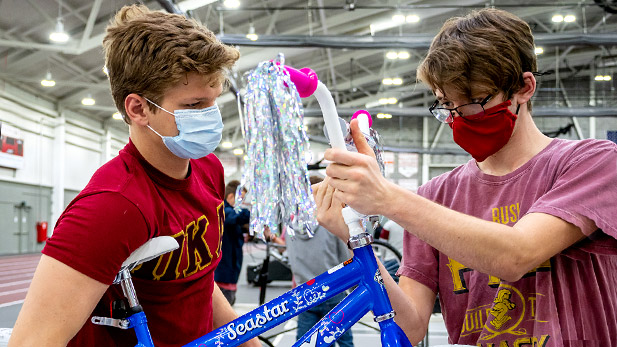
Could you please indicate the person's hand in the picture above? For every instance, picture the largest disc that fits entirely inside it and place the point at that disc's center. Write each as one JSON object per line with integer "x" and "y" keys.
{"x": 267, "y": 233}
{"x": 329, "y": 210}
{"x": 356, "y": 176}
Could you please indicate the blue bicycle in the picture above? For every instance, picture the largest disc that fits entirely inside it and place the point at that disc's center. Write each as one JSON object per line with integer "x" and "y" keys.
{"x": 361, "y": 271}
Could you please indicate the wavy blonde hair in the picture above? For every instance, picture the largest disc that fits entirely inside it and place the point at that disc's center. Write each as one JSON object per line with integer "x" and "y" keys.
{"x": 147, "y": 51}
{"x": 486, "y": 51}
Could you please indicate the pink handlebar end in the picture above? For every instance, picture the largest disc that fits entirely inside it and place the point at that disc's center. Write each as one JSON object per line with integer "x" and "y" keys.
{"x": 305, "y": 80}
{"x": 368, "y": 115}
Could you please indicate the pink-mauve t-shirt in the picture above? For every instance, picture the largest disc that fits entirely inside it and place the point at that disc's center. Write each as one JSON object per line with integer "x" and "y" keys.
{"x": 569, "y": 300}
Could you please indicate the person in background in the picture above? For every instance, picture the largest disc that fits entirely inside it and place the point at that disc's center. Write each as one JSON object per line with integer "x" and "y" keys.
{"x": 312, "y": 256}
{"x": 520, "y": 242}
{"x": 228, "y": 271}
{"x": 165, "y": 72}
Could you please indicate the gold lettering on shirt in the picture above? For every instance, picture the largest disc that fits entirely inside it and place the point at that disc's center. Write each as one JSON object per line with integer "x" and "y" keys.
{"x": 165, "y": 260}
{"x": 220, "y": 212}
{"x": 532, "y": 341}
{"x": 459, "y": 285}
{"x": 458, "y": 281}
{"x": 193, "y": 254}
{"x": 506, "y": 214}
{"x": 200, "y": 256}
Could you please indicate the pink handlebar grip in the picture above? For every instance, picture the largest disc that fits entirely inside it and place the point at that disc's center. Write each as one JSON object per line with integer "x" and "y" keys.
{"x": 368, "y": 115}
{"x": 305, "y": 80}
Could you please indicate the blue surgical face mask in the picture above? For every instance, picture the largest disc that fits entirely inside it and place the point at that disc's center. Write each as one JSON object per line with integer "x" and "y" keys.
{"x": 199, "y": 132}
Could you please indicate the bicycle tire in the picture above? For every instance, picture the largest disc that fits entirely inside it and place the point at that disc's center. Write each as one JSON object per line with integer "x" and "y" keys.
{"x": 265, "y": 341}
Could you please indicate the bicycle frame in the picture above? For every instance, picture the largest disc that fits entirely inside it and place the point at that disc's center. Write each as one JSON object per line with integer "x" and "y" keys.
{"x": 369, "y": 295}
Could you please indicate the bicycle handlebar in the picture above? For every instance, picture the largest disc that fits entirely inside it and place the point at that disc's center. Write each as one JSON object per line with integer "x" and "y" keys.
{"x": 308, "y": 84}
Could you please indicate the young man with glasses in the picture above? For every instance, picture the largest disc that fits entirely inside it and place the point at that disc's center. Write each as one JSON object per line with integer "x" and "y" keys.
{"x": 520, "y": 242}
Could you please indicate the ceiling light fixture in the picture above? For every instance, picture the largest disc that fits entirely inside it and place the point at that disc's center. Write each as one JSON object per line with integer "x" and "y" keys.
{"x": 601, "y": 78}
{"x": 226, "y": 144}
{"x": 59, "y": 35}
{"x": 539, "y": 50}
{"x": 392, "y": 55}
{"x": 48, "y": 81}
{"x": 397, "y": 81}
{"x": 117, "y": 115}
{"x": 251, "y": 35}
{"x": 412, "y": 18}
{"x": 188, "y": 5}
{"x": 557, "y": 18}
{"x": 384, "y": 116}
{"x": 238, "y": 151}
{"x": 88, "y": 101}
{"x": 569, "y": 18}
{"x": 386, "y": 101}
{"x": 398, "y": 18}
{"x": 231, "y": 3}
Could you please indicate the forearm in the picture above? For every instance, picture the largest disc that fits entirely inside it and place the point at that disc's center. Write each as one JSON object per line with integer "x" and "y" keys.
{"x": 410, "y": 315}
{"x": 59, "y": 301}
{"x": 224, "y": 313}
{"x": 476, "y": 243}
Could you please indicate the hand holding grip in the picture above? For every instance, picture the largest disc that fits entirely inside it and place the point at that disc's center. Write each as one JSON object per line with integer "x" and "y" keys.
{"x": 365, "y": 119}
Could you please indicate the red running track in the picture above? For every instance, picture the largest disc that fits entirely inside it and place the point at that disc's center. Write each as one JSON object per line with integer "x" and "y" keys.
{"x": 15, "y": 277}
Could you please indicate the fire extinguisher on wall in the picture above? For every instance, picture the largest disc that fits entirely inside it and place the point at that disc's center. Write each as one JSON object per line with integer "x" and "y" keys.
{"x": 41, "y": 232}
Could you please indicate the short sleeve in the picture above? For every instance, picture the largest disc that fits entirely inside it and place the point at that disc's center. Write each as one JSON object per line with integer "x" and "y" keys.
{"x": 420, "y": 262}
{"x": 96, "y": 233}
{"x": 585, "y": 191}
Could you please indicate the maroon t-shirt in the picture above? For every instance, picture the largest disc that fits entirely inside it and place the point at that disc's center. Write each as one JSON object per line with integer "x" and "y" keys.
{"x": 127, "y": 202}
{"x": 569, "y": 300}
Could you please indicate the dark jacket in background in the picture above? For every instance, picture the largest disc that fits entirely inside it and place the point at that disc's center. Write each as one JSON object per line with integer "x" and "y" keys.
{"x": 229, "y": 268}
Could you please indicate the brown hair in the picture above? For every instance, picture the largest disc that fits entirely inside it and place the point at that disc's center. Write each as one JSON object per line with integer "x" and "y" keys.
{"x": 485, "y": 52}
{"x": 314, "y": 179}
{"x": 147, "y": 51}
{"x": 231, "y": 188}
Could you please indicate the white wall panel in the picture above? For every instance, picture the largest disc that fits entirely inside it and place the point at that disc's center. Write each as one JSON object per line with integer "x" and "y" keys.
{"x": 80, "y": 164}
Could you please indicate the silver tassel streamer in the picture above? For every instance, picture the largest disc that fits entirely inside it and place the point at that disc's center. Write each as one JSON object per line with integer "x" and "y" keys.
{"x": 275, "y": 169}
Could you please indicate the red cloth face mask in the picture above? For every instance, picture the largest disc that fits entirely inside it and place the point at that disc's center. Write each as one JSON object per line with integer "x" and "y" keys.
{"x": 484, "y": 135}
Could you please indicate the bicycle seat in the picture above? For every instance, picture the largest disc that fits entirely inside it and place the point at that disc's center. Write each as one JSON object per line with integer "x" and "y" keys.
{"x": 150, "y": 250}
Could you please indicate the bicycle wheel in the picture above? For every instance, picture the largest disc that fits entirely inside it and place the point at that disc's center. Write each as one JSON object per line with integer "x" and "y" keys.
{"x": 389, "y": 256}
{"x": 265, "y": 342}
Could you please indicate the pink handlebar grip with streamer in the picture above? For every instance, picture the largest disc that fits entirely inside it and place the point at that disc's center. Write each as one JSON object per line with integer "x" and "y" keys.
{"x": 305, "y": 80}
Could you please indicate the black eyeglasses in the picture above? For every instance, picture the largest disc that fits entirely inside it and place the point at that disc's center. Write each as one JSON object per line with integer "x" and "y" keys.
{"x": 446, "y": 115}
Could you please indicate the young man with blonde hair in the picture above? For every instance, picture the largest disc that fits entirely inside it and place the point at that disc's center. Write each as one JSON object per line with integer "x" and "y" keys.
{"x": 520, "y": 242}
{"x": 165, "y": 73}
